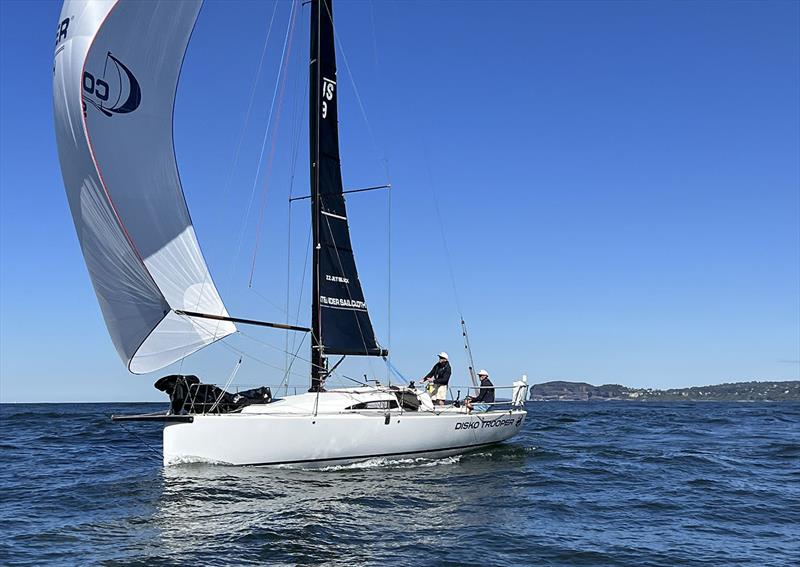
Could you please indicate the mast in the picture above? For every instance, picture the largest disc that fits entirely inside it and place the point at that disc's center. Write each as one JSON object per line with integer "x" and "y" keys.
{"x": 340, "y": 321}
{"x": 317, "y": 353}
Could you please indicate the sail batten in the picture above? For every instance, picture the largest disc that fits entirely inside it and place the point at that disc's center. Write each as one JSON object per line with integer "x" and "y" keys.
{"x": 116, "y": 68}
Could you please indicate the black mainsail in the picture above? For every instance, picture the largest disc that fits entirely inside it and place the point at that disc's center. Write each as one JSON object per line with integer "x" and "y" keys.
{"x": 340, "y": 322}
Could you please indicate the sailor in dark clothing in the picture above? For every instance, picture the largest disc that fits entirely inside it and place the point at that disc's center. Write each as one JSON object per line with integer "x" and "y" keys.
{"x": 485, "y": 395}
{"x": 439, "y": 376}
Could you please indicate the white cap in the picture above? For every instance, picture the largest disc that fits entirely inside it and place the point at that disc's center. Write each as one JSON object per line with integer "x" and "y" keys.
{"x": 483, "y": 373}
{"x": 443, "y": 355}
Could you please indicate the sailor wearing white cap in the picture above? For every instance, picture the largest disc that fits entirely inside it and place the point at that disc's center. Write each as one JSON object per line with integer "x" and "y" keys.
{"x": 485, "y": 395}
{"x": 439, "y": 376}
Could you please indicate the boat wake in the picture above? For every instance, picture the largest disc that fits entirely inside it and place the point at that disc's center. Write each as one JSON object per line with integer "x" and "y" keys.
{"x": 196, "y": 461}
{"x": 502, "y": 452}
{"x": 389, "y": 462}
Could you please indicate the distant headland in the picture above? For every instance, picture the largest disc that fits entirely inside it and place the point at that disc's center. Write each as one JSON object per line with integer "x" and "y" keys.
{"x": 736, "y": 392}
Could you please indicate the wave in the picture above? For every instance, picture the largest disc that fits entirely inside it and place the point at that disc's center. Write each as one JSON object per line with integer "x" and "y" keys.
{"x": 629, "y": 485}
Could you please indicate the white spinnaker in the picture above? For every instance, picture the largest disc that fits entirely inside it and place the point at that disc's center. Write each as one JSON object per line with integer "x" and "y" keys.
{"x": 115, "y": 72}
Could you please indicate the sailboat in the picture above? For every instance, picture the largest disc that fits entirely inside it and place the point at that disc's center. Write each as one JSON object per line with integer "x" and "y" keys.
{"x": 115, "y": 74}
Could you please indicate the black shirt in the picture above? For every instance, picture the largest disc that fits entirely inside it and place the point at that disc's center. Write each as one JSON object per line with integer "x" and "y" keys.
{"x": 486, "y": 394}
{"x": 440, "y": 373}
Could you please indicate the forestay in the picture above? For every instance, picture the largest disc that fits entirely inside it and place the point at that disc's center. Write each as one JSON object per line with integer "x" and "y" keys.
{"x": 116, "y": 70}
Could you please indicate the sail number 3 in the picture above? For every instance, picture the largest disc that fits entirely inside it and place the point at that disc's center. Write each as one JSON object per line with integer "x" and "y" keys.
{"x": 328, "y": 86}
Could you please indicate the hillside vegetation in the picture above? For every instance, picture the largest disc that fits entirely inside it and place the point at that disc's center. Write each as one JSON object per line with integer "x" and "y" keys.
{"x": 739, "y": 391}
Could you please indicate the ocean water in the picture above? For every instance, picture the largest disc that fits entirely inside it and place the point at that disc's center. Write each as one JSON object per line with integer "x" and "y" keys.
{"x": 584, "y": 484}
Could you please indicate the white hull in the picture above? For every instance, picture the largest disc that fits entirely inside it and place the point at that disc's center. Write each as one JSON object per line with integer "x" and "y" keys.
{"x": 274, "y": 439}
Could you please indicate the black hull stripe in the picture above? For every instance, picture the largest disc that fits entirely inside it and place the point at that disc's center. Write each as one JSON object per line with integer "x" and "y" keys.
{"x": 358, "y": 457}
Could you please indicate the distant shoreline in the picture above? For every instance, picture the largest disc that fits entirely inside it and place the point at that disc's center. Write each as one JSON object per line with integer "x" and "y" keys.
{"x": 755, "y": 391}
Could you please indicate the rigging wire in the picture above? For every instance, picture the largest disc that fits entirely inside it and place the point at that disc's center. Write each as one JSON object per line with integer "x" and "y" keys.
{"x": 268, "y": 300}
{"x": 442, "y": 233}
{"x": 226, "y": 344}
{"x": 302, "y": 281}
{"x": 235, "y": 161}
{"x": 288, "y": 275}
{"x": 159, "y": 457}
{"x": 374, "y": 40}
{"x": 265, "y": 192}
{"x": 237, "y": 152}
{"x": 227, "y": 385}
{"x": 301, "y": 287}
{"x": 295, "y": 143}
{"x": 278, "y": 95}
{"x": 379, "y": 150}
{"x": 287, "y": 373}
{"x": 270, "y": 345}
{"x": 450, "y": 269}
{"x": 293, "y": 355}
{"x": 385, "y": 161}
{"x": 355, "y": 88}
{"x": 399, "y": 374}
{"x": 253, "y": 89}
{"x": 246, "y": 216}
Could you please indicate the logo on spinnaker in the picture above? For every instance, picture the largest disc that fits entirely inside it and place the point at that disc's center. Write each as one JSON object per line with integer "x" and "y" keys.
{"x": 61, "y": 30}
{"x": 116, "y": 91}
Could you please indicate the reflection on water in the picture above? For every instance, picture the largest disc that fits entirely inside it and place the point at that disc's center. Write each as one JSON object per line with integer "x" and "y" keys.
{"x": 364, "y": 510}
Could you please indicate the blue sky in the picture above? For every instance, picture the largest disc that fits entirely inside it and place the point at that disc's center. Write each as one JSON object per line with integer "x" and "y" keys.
{"x": 619, "y": 186}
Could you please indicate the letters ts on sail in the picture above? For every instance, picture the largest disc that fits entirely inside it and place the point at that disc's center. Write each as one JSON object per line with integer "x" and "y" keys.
{"x": 115, "y": 72}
